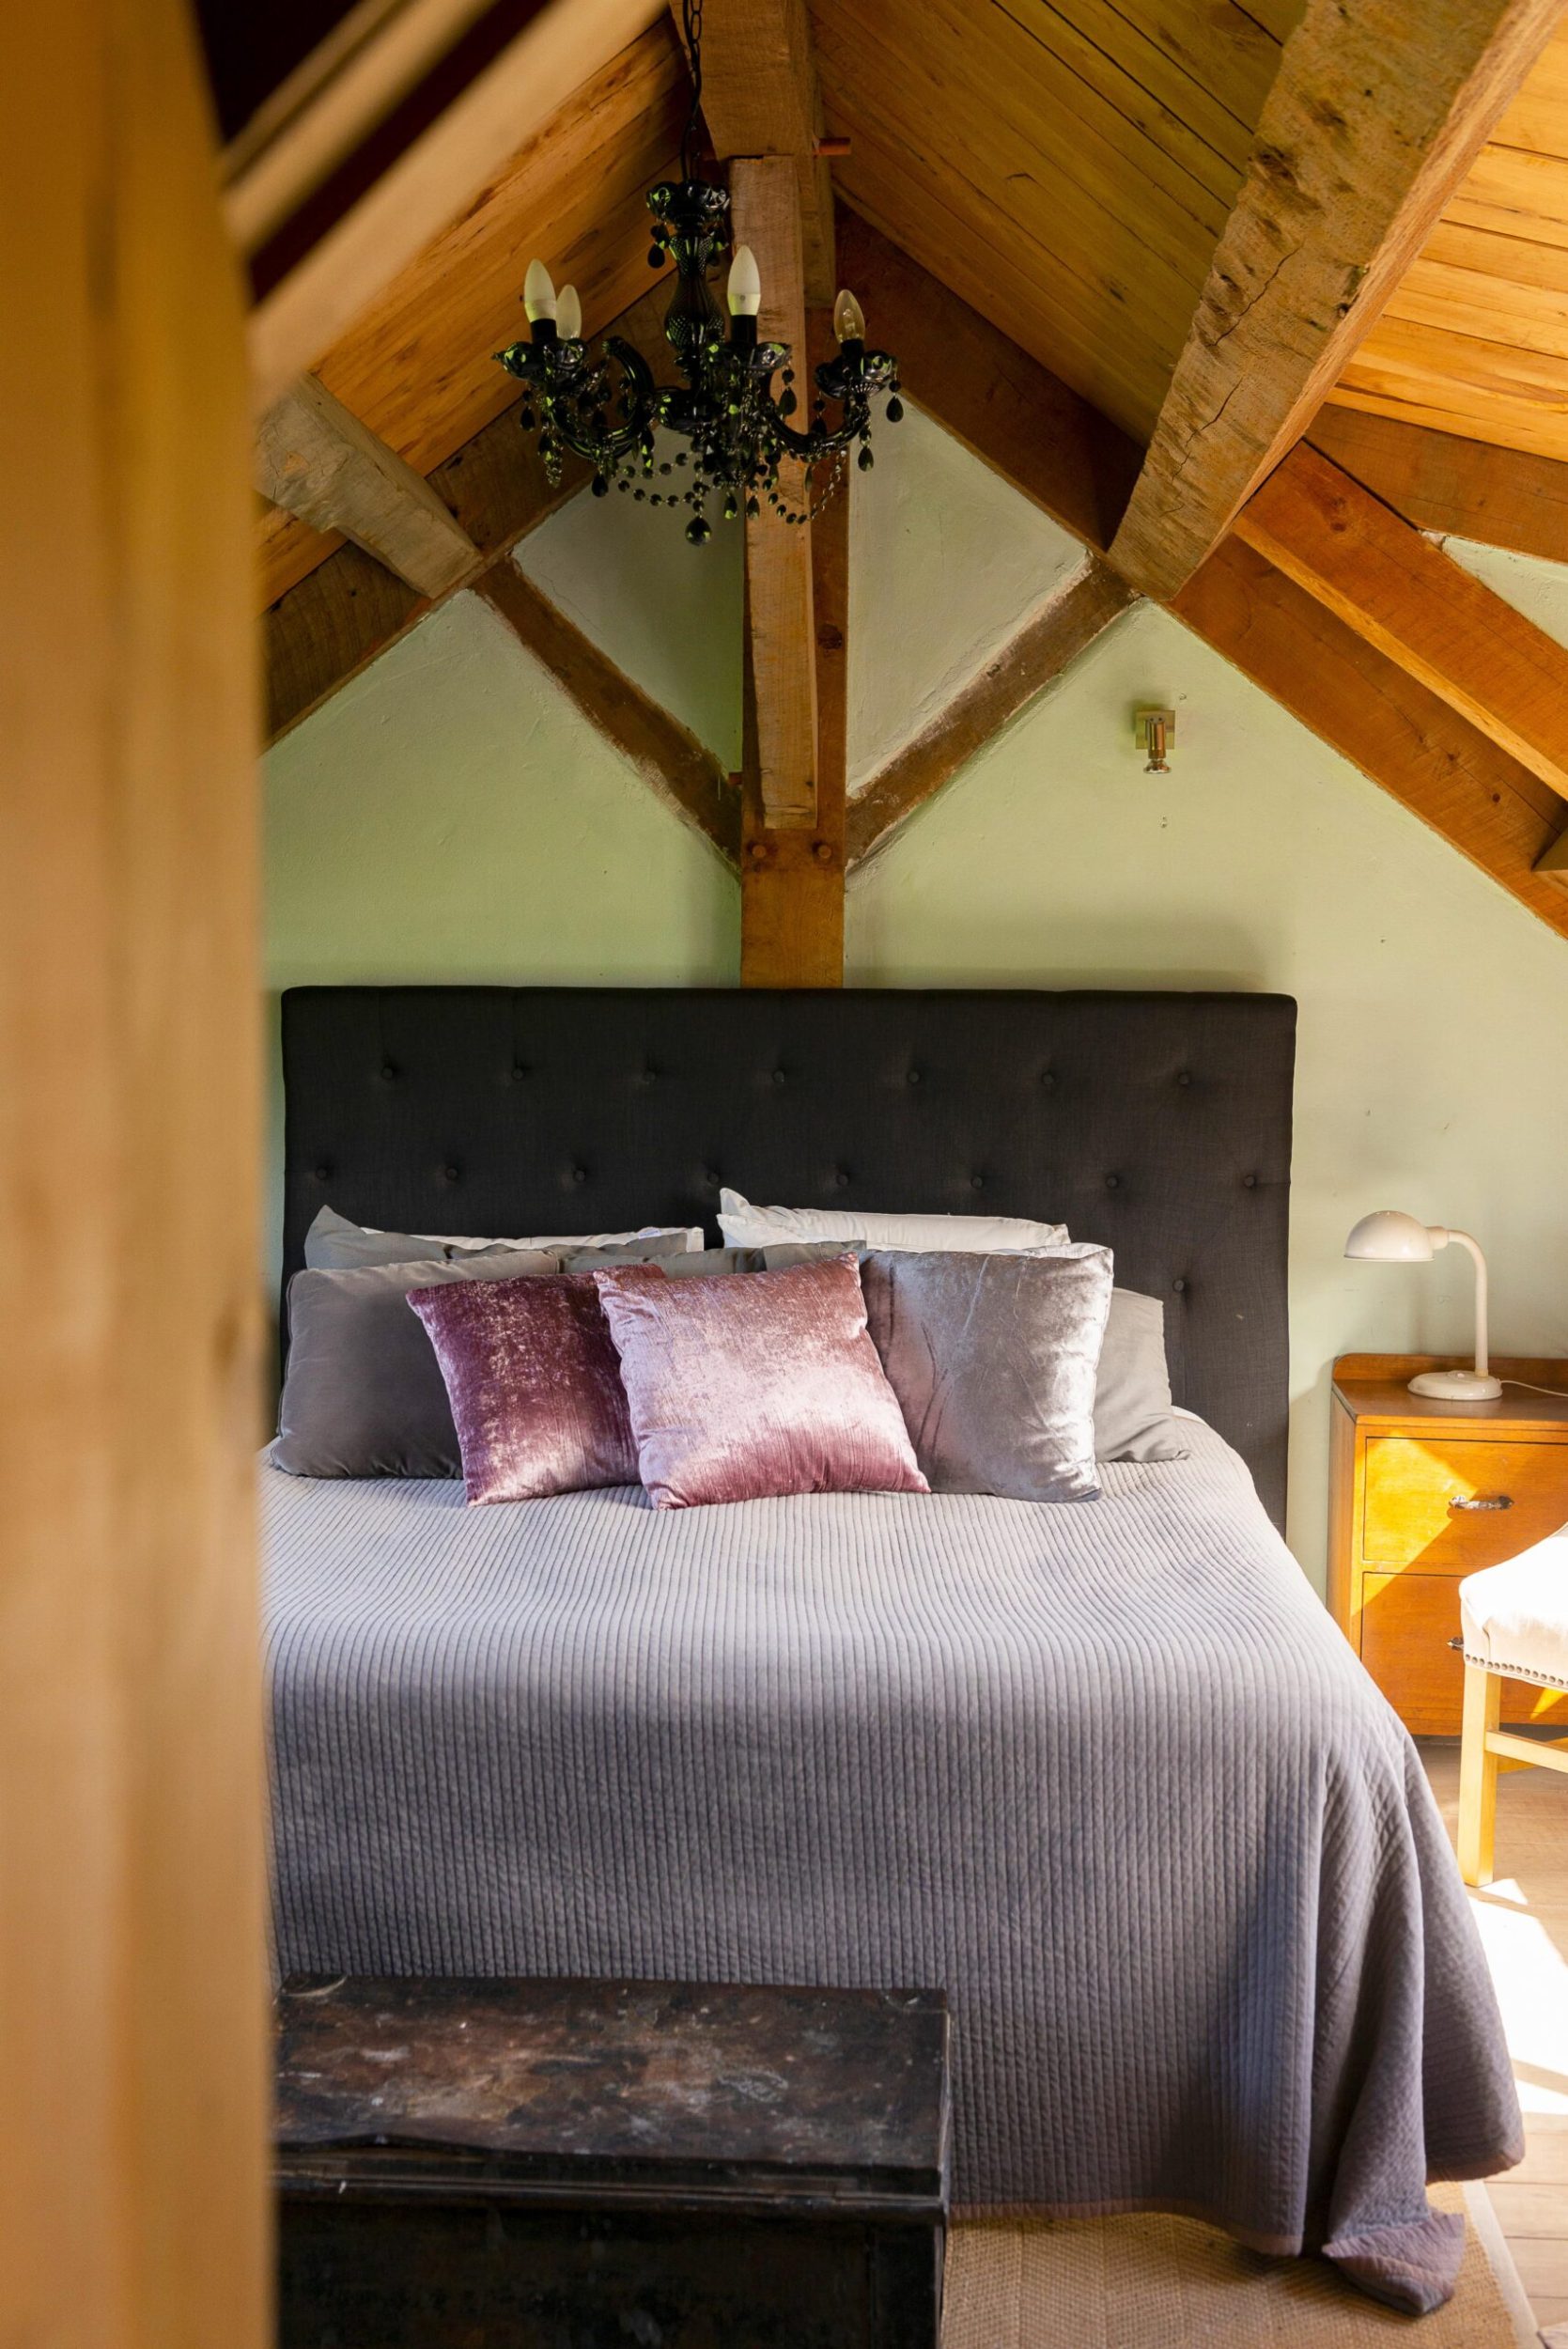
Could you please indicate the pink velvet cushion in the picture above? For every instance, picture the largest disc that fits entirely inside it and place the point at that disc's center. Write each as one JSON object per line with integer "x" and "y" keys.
{"x": 533, "y": 1384}
{"x": 746, "y": 1388}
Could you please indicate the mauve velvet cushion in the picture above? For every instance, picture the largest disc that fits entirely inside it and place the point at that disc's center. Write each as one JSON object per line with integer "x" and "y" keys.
{"x": 740, "y": 1390}
{"x": 534, "y": 1383}
{"x": 364, "y": 1395}
{"x": 993, "y": 1359}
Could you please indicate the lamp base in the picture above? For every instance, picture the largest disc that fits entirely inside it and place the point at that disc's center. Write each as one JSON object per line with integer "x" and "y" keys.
{"x": 1456, "y": 1386}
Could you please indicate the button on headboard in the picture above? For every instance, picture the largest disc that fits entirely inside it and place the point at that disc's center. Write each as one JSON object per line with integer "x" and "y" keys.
{"x": 1158, "y": 1124}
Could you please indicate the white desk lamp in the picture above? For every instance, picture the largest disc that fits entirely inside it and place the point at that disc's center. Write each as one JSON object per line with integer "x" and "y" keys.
{"x": 1389, "y": 1236}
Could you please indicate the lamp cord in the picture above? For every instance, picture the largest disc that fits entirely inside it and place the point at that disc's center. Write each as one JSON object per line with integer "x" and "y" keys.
{"x": 1562, "y": 1393}
{"x": 691, "y": 24}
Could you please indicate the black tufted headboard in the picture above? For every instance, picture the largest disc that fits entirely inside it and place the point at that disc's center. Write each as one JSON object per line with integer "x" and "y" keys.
{"x": 1158, "y": 1124}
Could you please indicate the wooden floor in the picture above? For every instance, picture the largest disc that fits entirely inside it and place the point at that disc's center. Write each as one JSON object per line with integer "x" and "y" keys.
{"x": 1524, "y": 1924}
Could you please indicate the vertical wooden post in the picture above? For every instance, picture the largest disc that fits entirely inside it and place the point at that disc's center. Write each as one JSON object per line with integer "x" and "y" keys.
{"x": 792, "y": 882}
{"x": 766, "y": 214}
{"x": 133, "y": 2006}
{"x": 1477, "y": 1773}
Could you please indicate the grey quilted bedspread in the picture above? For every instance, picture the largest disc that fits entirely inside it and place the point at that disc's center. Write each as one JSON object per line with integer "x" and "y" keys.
{"x": 1106, "y": 1773}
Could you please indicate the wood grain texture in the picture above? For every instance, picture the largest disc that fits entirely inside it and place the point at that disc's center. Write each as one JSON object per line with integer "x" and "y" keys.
{"x": 1015, "y": 677}
{"x": 1405, "y": 595}
{"x": 1442, "y": 482}
{"x": 1472, "y": 340}
{"x": 336, "y": 621}
{"x": 792, "y": 882}
{"x": 333, "y": 280}
{"x": 760, "y": 97}
{"x": 766, "y": 214}
{"x": 1011, "y": 412}
{"x": 1400, "y": 734}
{"x": 1372, "y": 121}
{"x": 669, "y": 759}
{"x": 417, "y": 367}
{"x": 1066, "y": 170}
{"x": 320, "y": 462}
{"x": 132, "y": 2051}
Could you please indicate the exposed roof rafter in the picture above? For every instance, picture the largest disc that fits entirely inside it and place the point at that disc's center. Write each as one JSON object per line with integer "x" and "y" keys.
{"x": 322, "y": 463}
{"x": 1376, "y": 114}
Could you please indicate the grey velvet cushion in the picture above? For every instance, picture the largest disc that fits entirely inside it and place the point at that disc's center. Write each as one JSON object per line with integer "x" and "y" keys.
{"x": 1133, "y": 1415}
{"x": 364, "y": 1395}
{"x": 333, "y": 1244}
{"x": 993, "y": 1359}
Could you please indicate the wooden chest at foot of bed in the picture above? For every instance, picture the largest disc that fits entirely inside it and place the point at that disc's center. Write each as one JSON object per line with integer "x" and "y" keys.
{"x": 604, "y": 2165}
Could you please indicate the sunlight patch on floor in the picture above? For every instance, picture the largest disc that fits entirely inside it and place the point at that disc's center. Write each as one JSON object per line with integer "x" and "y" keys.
{"x": 1531, "y": 1977}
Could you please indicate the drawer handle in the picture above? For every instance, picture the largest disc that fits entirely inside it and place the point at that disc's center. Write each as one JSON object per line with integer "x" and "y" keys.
{"x": 1483, "y": 1501}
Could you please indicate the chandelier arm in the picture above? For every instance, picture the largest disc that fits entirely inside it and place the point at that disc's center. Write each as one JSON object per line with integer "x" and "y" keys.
{"x": 819, "y": 440}
{"x": 603, "y": 447}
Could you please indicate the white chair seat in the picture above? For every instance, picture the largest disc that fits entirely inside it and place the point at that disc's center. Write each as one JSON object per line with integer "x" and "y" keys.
{"x": 1514, "y": 1617}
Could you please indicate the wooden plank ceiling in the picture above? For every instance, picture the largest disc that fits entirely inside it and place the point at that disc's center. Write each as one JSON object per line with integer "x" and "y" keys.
{"x": 1079, "y": 224}
{"x": 1474, "y": 341}
{"x": 416, "y": 366}
{"x": 1066, "y": 168}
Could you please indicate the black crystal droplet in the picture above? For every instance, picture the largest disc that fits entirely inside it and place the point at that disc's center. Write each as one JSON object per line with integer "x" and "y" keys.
{"x": 787, "y": 403}
{"x": 602, "y": 486}
{"x": 866, "y": 461}
{"x": 895, "y": 409}
{"x": 656, "y": 257}
{"x": 699, "y": 530}
{"x": 752, "y": 508}
{"x": 525, "y": 417}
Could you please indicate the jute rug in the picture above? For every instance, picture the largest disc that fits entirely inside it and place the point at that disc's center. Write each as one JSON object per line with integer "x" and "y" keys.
{"x": 1172, "y": 2283}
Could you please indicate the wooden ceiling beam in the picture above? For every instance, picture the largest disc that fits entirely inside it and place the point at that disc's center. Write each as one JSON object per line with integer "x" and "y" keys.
{"x": 336, "y": 621}
{"x": 1467, "y": 489}
{"x": 1012, "y": 679}
{"x": 1417, "y": 606}
{"x": 317, "y": 460}
{"x": 1375, "y": 116}
{"x": 1401, "y": 736}
{"x": 792, "y": 882}
{"x": 760, "y": 97}
{"x": 413, "y": 170}
{"x": 781, "y": 629}
{"x": 676, "y": 766}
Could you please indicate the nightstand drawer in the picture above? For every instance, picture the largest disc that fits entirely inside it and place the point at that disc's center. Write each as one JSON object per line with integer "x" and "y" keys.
{"x": 1408, "y": 1621}
{"x": 1427, "y": 1500}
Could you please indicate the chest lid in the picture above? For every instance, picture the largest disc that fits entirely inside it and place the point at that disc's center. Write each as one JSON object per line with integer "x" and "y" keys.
{"x": 595, "y": 2091}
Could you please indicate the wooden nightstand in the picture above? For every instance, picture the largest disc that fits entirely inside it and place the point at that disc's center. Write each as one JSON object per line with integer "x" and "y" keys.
{"x": 1421, "y": 1493}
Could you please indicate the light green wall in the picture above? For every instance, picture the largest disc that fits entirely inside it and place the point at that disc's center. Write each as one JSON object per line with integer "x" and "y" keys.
{"x": 450, "y": 817}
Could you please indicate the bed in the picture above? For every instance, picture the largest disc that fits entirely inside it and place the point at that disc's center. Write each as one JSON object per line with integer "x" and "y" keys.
{"x": 1108, "y": 1774}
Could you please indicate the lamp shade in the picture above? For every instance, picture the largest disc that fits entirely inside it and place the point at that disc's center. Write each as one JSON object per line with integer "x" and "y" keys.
{"x": 1388, "y": 1235}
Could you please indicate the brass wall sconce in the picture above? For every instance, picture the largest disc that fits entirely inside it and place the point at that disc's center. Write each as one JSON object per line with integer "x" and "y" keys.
{"x": 1155, "y": 731}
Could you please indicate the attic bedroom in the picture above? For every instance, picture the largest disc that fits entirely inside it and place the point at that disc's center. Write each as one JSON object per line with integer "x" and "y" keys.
{"x": 785, "y": 1468}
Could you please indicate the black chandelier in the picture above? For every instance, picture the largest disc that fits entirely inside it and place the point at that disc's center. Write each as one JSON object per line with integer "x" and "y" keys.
{"x": 607, "y": 409}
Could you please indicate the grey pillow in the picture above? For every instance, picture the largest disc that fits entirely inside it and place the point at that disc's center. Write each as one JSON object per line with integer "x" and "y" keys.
{"x": 333, "y": 1244}
{"x": 677, "y": 1262}
{"x": 993, "y": 1359}
{"x": 364, "y": 1395}
{"x": 1133, "y": 1415}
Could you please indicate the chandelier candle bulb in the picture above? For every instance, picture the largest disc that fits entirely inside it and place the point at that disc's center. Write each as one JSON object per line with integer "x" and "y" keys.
{"x": 607, "y": 406}
{"x": 745, "y": 285}
{"x": 538, "y": 293}
{"x": 849, "y": 318}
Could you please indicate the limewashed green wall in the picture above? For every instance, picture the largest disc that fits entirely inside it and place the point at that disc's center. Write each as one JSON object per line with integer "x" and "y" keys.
{"x": 450, "y": 817}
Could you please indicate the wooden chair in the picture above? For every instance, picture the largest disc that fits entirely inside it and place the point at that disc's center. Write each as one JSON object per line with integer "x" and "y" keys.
{"x": 1515, "y": 1620}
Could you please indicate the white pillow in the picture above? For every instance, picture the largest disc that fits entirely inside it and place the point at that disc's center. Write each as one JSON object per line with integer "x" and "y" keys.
{"x": 746, "y": 1226}
{"x": 692, "y": 1233}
